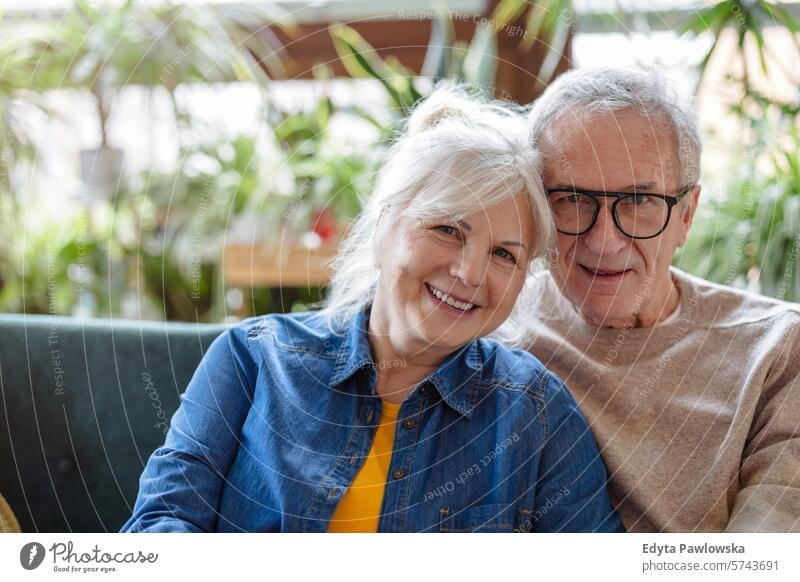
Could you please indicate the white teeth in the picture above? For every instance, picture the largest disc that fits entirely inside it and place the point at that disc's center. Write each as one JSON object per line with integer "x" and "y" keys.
{"x": 450, "y": 301}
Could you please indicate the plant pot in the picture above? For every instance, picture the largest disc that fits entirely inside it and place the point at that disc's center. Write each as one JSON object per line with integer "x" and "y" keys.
{"x": 101, "y": 170}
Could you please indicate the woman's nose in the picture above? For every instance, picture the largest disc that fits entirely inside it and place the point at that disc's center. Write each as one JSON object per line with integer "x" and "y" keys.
{"x": 469, "y": 267}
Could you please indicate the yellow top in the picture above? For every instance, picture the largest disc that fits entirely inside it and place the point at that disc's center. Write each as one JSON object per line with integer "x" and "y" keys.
{"x": 360, "y": 507}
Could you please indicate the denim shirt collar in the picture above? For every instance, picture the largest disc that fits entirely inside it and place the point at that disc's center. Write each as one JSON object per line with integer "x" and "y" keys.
{"x": 457, "y": 379}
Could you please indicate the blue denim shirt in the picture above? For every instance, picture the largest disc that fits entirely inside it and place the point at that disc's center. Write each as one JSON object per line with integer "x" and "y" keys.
{"x": 281, "y": 413}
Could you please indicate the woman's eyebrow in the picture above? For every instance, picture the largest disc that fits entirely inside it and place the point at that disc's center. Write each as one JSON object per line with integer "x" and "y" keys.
{"x": 465, "y": 225}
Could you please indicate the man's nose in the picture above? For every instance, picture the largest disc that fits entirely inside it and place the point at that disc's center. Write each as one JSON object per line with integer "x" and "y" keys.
{"x": 604, "y": 238}
{"x": 470, "y": 266}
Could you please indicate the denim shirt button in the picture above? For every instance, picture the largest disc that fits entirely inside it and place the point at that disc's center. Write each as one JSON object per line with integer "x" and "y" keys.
{"x": 398, "y": 473}
{"x": 409, "y": 423}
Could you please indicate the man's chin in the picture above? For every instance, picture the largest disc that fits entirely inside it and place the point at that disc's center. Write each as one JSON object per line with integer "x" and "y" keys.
{"x": 605, "y": 309}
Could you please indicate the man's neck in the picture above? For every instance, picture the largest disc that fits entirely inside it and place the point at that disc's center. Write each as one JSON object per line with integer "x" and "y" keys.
{"x": 662, "y": 310}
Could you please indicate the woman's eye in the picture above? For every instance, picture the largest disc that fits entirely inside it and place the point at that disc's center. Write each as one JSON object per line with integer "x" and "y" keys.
{"x": 448, "y": 230}
{"x": 504, "y": 254}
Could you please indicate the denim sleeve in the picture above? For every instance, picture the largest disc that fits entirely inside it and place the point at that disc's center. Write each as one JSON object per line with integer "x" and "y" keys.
{"x": 571, "y": 493}
{"x": 181, "y": 486}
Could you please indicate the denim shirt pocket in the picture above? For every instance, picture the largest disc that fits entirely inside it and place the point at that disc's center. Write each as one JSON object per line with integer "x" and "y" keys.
{"x": 495, "y": 518}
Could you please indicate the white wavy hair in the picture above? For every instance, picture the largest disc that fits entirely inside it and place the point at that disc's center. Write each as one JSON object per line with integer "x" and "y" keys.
{"x": 597, "y": 90}
{"x": 457, "y": 156}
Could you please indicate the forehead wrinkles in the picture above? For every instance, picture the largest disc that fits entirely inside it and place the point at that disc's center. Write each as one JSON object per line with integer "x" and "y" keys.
{"x": 642, "y": 140}
{"x": 654, "y": 136}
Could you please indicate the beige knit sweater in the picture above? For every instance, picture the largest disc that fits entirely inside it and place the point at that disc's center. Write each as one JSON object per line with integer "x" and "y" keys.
{"x": 697, "y": 418}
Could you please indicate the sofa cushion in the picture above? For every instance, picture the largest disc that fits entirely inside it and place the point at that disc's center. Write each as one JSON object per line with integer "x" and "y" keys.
{"x": 83, "y": 404}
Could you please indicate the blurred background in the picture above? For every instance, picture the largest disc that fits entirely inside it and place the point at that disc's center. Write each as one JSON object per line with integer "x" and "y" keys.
{"x": 200, "y": 160}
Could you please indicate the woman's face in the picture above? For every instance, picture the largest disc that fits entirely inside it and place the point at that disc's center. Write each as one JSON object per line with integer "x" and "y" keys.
{"x": 446, "y": 282}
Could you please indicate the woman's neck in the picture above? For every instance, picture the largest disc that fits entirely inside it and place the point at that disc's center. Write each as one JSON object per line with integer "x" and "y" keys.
{"x": 399, "y": 367}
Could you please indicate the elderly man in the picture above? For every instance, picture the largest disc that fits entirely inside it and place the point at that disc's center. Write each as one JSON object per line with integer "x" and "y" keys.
{"x": 692, "y": 389}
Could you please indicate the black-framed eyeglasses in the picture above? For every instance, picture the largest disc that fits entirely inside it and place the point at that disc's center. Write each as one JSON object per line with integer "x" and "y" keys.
{"x": 637, "y": 215}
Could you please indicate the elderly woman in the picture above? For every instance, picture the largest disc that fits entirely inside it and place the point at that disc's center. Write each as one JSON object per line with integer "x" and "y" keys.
{"x": 389, "y": 410}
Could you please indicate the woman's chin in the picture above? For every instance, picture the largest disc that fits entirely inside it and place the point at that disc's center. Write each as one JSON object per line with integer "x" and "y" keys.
{"x": 449, "y": 336}
{"x": 443, "y": 329}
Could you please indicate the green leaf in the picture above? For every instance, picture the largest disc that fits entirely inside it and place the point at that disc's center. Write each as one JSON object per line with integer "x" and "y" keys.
{"x": 536, "y": 23}
{"x": 759, "y": 37}
{"x": 361, "y": 60}
{"x": 438, "y": 54}
{"x": 480, "y": 64}
{"x": 554, "y": 54}
{"x": 324, "y": 111}
{"x": 712, "y": 18}
{"x": 508, "y": 10}
{"x": 791, "y": 217}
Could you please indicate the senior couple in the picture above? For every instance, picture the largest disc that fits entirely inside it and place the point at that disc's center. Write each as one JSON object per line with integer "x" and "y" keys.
{"x": 447, "y": 385}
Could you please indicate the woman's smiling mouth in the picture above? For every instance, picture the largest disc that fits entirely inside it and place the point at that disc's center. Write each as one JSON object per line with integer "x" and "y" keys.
{"x": 449, "y": 302}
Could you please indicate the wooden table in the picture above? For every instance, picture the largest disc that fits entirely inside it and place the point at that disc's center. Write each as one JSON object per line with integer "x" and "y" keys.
{"x": 248, "y": 267}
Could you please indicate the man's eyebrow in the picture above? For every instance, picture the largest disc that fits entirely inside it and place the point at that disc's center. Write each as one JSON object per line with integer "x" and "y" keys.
{"x": 641, "y": 187}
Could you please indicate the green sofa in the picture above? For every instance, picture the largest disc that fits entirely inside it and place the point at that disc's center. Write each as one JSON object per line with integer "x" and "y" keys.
{"x": 83, "y": 404}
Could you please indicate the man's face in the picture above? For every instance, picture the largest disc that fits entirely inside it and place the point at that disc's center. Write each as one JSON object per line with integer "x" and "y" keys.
{"x": 610, "y": 278}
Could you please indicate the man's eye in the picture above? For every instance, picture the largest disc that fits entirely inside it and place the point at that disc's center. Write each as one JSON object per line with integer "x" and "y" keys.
{"x": 504, "y": 254}
{"x": 564, "y": 197}
{"x": 639, "y": 199}
{"x": 448, "y": 230}
{"x": 574, "y": 198}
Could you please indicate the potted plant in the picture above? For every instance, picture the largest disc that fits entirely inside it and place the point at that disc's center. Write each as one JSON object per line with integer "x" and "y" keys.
{"x": 102, "y": 48}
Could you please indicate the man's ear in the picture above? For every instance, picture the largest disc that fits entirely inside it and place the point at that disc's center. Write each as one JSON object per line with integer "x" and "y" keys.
{"x": 688, "y": 210}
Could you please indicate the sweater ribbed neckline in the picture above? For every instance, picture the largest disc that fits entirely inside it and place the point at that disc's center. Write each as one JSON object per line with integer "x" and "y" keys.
{"x": 560, "y": 309}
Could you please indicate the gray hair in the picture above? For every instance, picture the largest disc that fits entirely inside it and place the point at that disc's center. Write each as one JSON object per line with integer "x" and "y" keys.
{"x": 593, "y": 91}
{"x": 457, "y": 156}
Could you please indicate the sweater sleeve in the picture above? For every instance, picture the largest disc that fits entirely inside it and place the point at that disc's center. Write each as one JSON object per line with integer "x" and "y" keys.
{"x": 769, "y": 476}
{"x": 182, "y": 483}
